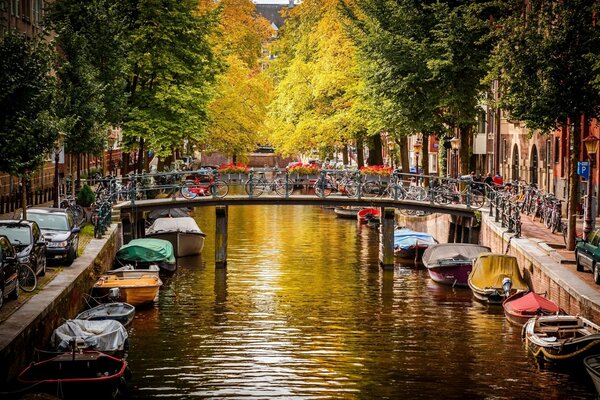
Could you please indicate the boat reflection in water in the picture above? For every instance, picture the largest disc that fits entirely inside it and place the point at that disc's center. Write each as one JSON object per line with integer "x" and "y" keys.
{"x": 303, "y": 310}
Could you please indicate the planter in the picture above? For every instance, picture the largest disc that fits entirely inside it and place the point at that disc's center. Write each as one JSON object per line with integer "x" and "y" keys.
{"x": 303, "y": 179}
{"x": 235, "y": 178}
{"x": 377, "y": 178}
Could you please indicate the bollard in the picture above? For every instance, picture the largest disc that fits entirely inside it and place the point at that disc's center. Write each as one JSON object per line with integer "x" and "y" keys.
{"x": 386, "y": 238}
{"x": 221, "y": 237}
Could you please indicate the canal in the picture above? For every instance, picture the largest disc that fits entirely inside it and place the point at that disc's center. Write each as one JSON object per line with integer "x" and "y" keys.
{"x": 304, "y": 311}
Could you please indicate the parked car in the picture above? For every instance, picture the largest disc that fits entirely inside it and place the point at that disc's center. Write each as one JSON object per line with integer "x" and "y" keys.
{"x": 59, "y": 231}
{"x": 587, "y": 254}
{"x": 28, "y": 241}
{"x": 9, "y": 271}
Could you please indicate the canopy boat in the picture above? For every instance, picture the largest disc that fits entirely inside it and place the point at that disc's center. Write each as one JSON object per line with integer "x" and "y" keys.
{"x": 107, "y": 336}
{"x": 451, "y": 263}
{"x": 167, "y": 213}
{"x": 522, "y": 306}
{"x": 495, "y": 277}
{"x": 592, "y": 366}
{"x": 346, "y": 212}
{"x": 129, "y": 271}
{"x": 183, "y": 233}
{"x": 144, "y": 252}
{"x": 76, "y": 375}
{"x": 561, "y": 338}
{"x": 135, "y": 291}
{"x": 367, "y": 214}
{"x": 121, "y": 312}
{"x": 409, "y": 244}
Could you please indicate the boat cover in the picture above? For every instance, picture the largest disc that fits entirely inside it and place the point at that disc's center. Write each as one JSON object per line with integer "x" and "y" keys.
{"x": 147, "y": 250}
{"x": 105, "y": 336}
{"x": 532, "y": 303}
{"x": 452, "y": 252}
{"x": 181, "y": 224}
{"x": 489, "y": 269}
{"x": 168, "y": 212}
{"x": 405, "y": 238}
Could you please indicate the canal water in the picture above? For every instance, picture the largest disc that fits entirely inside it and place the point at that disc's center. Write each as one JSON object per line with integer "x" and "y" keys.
{"x": 304, "y": 311}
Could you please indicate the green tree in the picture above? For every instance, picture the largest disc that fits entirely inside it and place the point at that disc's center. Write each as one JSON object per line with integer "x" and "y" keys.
{"x": 544, "y": 60}
{"x": 28, "y": 130}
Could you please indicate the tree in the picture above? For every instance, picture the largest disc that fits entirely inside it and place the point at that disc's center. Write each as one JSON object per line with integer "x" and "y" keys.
{"x": 544, "y": 60}
{"x": 28, "y": 130}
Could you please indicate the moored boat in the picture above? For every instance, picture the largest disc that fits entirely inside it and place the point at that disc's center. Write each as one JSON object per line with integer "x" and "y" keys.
{"x": 129, "y": 271}
{"x": 592, "y": 366}
{"x": 451, "y": 263}
{"x": 366, "y": 214}
{"x": 346, "y": 212}
{"x": 76, "y": 375}
{"x": 135, "y": 291}
{"x": 410, "y": 244}
{"x": 107, "y": 336}
{"x": 145, "y": 252}
{"x": 183, "y": 233}
{"x": 522, "y": 306}
{"x": 121, "y": 312}
{"x": 561, "y": 338}
{"x": 495, "y": 277}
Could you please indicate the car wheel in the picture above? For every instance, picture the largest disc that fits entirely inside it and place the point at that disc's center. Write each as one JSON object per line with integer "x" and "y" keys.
{"x": 71, "y": 256}
{"x": 577, "y": 263}
{"x": 15, "y": 293}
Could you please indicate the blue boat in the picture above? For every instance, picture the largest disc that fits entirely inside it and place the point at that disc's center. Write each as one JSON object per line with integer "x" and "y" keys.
{"x": 410, "y": 244}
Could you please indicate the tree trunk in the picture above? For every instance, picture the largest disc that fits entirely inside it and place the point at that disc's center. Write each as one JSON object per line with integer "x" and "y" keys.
{"x": 78, "y": 180}
{"x": 425, "y": 158}
{"x": 360, "y": 158}
{"x": 345, "y": 154}
{"x": 375, "y": 150}
{"x": 140, "y": 160}
{"x": 572, "y": 200}
{"x": 465, "y": 151}
{"x": 24, "y": 197}
{"x": 402, "y": 142}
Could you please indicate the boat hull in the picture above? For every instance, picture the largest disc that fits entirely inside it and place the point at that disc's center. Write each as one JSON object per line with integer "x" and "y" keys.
{"x": 592, "y": 366}
{"x": 184, "y": 243}
{"x": 122, "y": 312}
{"x": 346, "y": 213}
{"x": 412, "y": 253}
{"x": 522, "y": 306}
{"x": 454, "y": 275}
{"x": 135, "y": 291}
{"x": 90, "y": 375}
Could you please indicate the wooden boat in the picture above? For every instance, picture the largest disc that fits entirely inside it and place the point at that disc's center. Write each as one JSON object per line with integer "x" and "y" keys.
{"x": 183, "y": 233}
{"x": 522, "y": 306}
{"x": 592, "y": 366}
{"x": 145, "y": 252}
{"x": 451, "y": 263}
{"x": 107, "y": 336}
{"x": 410, "y": 244}
{"x": 135, "y": 291}
{"x": 368, "y": 213}
{"x": 561, "y": 338}
{"x": 346, "y": 212}
{"x": 121, "y": 312}
{"x": 129, "y": 271}
{"x": 495, "y": 277}
{"x": 76, "y": 375}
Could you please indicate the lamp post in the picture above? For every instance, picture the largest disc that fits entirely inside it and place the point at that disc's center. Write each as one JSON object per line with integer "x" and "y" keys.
{"x": 455, "y": 145}
{"x": 57, "y": 150}
{"x": 591, "y": 145}
{"x": 417, "y": 150}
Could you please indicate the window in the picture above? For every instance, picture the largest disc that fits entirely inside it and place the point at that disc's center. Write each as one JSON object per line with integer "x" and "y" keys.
{"x": 481, "y": 123}
{"x": 38, "y": 6}
{"x": 556, "y": 150}
{"x": 504, "y": 150}
{"x": 36, "y": 233}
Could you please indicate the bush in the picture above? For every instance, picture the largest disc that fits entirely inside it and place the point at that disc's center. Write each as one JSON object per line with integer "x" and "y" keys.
{"x": 86, "y": 196}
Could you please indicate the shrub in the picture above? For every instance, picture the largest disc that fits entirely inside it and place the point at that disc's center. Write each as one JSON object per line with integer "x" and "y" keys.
{"x": 86, "y": 196}
{"x": 304, "y": 169}
{"x": 234, "y": 169}
{"x": 382, "y": 170}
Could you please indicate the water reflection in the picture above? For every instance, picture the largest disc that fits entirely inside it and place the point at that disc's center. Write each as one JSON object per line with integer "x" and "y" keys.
{"x": 304, "y": 311}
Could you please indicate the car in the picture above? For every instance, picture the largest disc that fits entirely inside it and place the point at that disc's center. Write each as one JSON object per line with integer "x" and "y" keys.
{"x": 9, "y": 271}
{"x": 60, "y": 233}
{"x": 587, "y": 254}
{"x": 28, "y": 241}
{"x": 264, "y": 149}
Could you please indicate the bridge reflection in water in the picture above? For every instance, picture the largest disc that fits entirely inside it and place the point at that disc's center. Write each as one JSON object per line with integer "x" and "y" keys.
{"x": 304, "y": 311}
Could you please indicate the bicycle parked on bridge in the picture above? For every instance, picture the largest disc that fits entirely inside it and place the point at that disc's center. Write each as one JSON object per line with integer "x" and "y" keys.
{"x": 204, "y": 183}
{"x": 396, "y": 189}
{"x": 450, "y": 192}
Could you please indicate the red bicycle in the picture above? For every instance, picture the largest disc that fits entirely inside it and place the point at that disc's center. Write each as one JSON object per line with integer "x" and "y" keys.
{"x": 204, "y": 184}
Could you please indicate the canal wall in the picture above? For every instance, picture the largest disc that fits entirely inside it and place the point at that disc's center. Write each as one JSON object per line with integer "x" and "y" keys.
{"x": 544, "y": 269}
{"x": 437, "y": 225}
{"x": 31, "y": 326}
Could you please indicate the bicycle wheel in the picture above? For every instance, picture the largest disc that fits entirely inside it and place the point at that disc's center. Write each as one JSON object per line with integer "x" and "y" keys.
{"x": 189, "y": 190}
{"x": 220, "y": 188}
{"x": 371, "y": 189}
{"x": 254, "y": 187}
{"x": 477, "y": 199}
{"x": 556, "y": 223}
{"x": 351, "y": 189}
{"x": 419, "y": 193}
{"x": 441, "y": 196}
{"x": 27, "y": 278}
{"x": 281, "y": 188}
{"x": 548, "y": 218}
{"x": 78, "y": 214}
{"x": 322, "y": 188}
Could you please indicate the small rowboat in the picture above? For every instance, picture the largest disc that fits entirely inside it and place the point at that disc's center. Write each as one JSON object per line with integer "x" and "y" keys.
{"x": 77, "y": 375}
{"x": 561, "y": 338}
{"x": 135, "y": 291}
{"x": 451, "y": 263}
{"x": 592, "y": 366}
{"x": 521, "y": 306}
{"x": 107, "y": 336}
{"x": 121, "y": 312}
{"x": 495, "y": 277}
{"x": 366, "y": 214}
{"x": 346, "y": 212}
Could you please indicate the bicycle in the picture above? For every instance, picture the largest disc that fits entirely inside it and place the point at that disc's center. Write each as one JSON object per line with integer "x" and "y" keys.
{"x": 27, "y": 278}
{"x": 257, "y": 185}
{"x": 450, "y": 193}
{"x": 70, "y": 204}
{"x": 204, "y": 184}
{"x": 328, "y": 184}
{"x": 396, "y": 190}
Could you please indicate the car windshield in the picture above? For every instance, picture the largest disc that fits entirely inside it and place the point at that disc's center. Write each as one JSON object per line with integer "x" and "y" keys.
{"x": 49, "y": 221}
{"x": 16, "y": 234}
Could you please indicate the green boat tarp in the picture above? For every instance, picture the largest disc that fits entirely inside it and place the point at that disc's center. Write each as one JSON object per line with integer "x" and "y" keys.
{"x": 147, "y": 250}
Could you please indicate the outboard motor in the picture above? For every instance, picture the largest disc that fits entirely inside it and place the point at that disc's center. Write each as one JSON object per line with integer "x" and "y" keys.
{"x": 506, "y": 285}
{"x": 114, "y": 294}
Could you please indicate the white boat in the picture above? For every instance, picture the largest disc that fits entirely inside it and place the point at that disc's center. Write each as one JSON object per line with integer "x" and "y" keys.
{"x": 129, "y": 271}
{"x": 122, "y": 312}
{"x": 108, "y": 336}
{"x": 183, "y": 232}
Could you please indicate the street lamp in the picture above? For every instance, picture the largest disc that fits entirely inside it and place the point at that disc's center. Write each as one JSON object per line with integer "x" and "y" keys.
{"x": 591, "y": 145}
{"x": 417, "y": 150}
{"x": 455, "y": 145}
{"x": 57, "y": 150}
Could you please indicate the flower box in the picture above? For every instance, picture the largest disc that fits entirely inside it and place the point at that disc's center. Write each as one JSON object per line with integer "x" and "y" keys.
{"x": 303, "y": 179}
{"x": 241, "y": 178}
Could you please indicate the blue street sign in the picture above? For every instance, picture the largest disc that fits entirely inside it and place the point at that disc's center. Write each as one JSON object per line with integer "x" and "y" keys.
{"x": 583, "y": 169}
